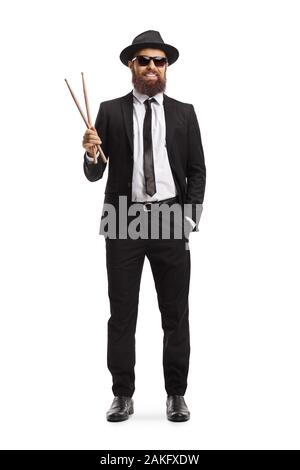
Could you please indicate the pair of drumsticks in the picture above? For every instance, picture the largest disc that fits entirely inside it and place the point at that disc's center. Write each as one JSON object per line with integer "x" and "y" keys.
{"x": 87, "y": 120}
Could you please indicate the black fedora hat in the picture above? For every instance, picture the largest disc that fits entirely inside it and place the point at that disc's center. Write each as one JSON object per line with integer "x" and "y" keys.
{"x": 152, "y": 39}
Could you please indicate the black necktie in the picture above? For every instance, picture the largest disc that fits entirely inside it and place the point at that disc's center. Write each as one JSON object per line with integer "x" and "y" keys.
{"x": 148, "y": 151}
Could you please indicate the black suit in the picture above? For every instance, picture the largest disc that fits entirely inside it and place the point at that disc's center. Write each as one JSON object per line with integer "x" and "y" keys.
{"x": 169, "y": 260}
{"x": 114, "y": 125}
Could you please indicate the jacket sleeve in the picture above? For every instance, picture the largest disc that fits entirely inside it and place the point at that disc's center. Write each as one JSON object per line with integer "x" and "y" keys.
{"x": 196, "y": 170}
{"x": 93, "y": 171}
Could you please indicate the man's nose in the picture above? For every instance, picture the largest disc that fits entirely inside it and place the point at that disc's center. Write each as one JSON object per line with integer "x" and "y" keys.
{"x": 151, "y": 65}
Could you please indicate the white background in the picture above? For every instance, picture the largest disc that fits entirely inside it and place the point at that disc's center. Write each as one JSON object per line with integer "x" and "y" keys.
{"x": 239, "y": 67}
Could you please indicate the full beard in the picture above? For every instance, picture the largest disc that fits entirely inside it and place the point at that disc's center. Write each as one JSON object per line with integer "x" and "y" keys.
{"x": 148, "y": 88}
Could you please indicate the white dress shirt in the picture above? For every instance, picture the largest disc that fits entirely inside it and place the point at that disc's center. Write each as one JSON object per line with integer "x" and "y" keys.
{"x": 165, "y": 186}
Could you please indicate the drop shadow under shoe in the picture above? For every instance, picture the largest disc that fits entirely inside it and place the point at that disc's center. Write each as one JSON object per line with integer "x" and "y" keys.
{"x": 177, "y": 409}
{"x": 120, "y": 409}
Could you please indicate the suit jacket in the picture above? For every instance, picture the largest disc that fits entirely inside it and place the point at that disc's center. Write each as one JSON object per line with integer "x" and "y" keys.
{"x": 114, "y": 124}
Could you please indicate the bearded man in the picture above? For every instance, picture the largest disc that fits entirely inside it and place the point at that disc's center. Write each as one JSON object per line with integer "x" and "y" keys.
{"x": 156, "y": 160}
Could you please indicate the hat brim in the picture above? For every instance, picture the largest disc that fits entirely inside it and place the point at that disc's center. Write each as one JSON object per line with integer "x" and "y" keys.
{"x": 128, "y": 53}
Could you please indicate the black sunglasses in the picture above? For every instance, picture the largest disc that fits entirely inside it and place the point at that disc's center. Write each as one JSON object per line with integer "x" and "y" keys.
{"x": 144, "y": 60}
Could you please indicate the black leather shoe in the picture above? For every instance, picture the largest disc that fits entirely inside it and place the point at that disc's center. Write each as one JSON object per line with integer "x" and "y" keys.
{"x": 120, "y": 409}
{"x": 177, "y": 409}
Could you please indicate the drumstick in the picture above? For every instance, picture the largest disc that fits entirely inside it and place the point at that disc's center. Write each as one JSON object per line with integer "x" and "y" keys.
{"x": 87, "y": 107}
{"x": 86, "y": 101}
{"x": 86, "y": 122}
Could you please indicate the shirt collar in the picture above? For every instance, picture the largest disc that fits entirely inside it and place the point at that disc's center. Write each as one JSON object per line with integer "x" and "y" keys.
{"x": 141, "y": 98}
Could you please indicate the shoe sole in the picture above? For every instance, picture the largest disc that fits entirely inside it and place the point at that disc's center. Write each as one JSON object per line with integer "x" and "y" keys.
{"x": 178, "y": 419}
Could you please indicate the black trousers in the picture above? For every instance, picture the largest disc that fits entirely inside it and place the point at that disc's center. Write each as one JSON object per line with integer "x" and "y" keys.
{"x": 170, "y": 264}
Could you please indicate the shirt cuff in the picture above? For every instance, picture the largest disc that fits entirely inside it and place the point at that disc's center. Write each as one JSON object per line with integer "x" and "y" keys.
{"x": 90, "y": 159}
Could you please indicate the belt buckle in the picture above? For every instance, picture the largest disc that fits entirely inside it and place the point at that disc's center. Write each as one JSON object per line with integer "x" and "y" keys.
{"x": 147, "y": 204}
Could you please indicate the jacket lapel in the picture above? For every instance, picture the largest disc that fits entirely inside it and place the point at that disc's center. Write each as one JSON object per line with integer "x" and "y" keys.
{"x": 169, "y": 117}
{"x": 127, "y": 110}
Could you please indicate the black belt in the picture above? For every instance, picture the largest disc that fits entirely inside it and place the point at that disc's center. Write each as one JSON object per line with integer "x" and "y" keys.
{"x": 147, "y": 205}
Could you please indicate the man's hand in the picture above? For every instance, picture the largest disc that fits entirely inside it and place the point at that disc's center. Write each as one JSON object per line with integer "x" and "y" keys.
{"x": 90, "y": 141}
